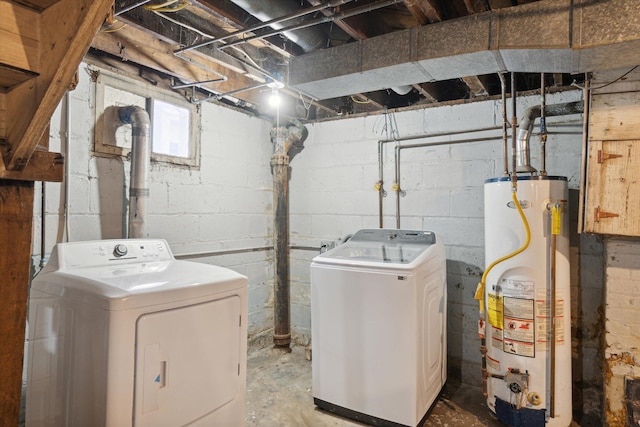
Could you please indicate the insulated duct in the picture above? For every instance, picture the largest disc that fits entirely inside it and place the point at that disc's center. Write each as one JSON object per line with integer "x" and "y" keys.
{"x": 140, "y": 165}
{"x": 523, "y": 152}
{"x": 285, "y": 139}
{"x": 551, "y": 36}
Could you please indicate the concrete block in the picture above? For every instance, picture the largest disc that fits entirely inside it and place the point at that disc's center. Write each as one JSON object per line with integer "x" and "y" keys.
{"x": 458, "y": 231}
{"x": 428, "y": 155}
{"x": 175, "y": 228}
{"x": 412, "y": 223}
{"x": 428, "y": 202}
{"x": 334, "y": 227}
{"x": 345, "y": 130}
{"x": 478, "y": 150}
{"x": 300, "y": 293}
{"x": 181, "y": 199}
{"x": 260, "y": 298}
{"x": 467, "y": 202}
{"x": 299, "y": 273}
{"x": 384, "y": 126}
{"x": 458, "y": 174}
{"x": 301, "y": 318}
{"x": 222, "y": 227}
{"x": 299, "y": 225}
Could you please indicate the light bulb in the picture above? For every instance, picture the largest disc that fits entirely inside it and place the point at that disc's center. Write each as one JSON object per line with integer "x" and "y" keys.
{"x": 274, "y": 98}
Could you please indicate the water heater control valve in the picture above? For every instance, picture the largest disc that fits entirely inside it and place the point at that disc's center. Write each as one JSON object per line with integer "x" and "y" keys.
{"x": 517, "y": 381}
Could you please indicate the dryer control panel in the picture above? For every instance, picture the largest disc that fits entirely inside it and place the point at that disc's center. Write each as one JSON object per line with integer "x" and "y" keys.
{"x": 395, "y": 236}
{"x": 108, "y": 252}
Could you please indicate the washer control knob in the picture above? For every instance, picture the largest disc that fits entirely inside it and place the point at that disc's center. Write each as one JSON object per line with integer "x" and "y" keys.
{"x": 120, "y": 250}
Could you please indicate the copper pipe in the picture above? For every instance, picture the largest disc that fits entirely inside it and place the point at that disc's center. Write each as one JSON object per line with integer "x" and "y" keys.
{"x": 514, "y": 126}
{"x": 503, "y": 90}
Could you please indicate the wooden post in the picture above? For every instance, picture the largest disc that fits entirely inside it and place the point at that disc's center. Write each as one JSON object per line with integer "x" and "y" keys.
{"x": 16, "y": 219}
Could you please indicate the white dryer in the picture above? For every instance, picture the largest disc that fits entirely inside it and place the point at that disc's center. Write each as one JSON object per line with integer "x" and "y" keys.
{"x": 122, "y": 334}
{"x": 378, "y": 326}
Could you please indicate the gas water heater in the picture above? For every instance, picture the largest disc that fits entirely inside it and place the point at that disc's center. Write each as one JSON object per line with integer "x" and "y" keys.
{"x": 527, "y": 333}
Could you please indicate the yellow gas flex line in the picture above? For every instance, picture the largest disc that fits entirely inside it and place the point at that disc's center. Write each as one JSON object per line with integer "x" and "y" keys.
{"x": 481, "y": 286}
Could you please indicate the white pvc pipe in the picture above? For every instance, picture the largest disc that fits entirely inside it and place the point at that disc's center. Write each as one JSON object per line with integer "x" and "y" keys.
{"x": 140, "y": 165}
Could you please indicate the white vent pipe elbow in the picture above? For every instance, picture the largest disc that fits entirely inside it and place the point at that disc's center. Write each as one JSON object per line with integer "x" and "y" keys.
{"x": 140, "y": 165}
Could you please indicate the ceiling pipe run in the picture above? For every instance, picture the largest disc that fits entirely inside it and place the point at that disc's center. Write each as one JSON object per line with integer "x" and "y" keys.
{"x": 308, "y": 39}
{"x": 286, "y": 139}
{"x": 523, "y": 152}
{"x": 140, "y": 165}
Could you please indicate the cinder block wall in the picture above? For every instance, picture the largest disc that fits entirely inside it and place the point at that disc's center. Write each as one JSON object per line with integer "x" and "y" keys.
{"x": 225, "y": 204}
{"x": 622, "y": 353}
{"x": 332, "y": 195}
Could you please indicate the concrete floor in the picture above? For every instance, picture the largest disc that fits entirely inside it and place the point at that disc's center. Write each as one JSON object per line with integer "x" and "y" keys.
{"x": 279, "y": 394}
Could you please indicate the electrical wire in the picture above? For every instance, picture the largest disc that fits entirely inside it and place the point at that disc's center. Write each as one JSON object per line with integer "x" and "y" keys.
{"x": 606, "y": 84}
{"x": 167, "y": 6}
{"x": 113, "y": 30}
{"x": 353, "y": 98}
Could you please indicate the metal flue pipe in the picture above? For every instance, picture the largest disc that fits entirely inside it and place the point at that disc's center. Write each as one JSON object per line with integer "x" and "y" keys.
{"x": 522, "y": 153}
{"x": 283, "y": 139}
{"x": 140, "y": 165}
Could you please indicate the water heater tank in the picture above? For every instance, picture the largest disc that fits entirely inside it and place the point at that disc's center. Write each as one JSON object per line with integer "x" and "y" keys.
{"x": 529, "y": 366}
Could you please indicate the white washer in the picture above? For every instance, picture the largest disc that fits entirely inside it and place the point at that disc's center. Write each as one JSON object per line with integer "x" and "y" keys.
{"x": 122, "y": 334}
{"x": 378, "y": 326}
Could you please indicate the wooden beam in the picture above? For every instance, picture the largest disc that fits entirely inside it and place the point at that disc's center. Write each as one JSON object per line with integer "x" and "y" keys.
{"x": 476, "y": 87}
{"x": 3, "y": 118}
{"x": 42, "y": 166}
{"x": 66, "y": 31}
{"x": 132, "y": 44}
{"x": 416, "y": 12}
{"x": 428, "y": 8}
{"x": 430, "y": 98}
{"x": 16, "y": 211}
{"x": 557, "y": 79}
{"x": 356, "y": 33}
{"x": 20, "y": 42}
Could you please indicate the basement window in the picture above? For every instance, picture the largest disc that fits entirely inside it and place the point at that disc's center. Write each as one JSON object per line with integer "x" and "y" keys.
{"x": 175, "y": 123}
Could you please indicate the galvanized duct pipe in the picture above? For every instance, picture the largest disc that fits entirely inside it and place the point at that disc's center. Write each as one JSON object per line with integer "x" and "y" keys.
{"x": 283, "y": 139}
{"x": 140, "y": 165}
{"x": 308, "y": 39}
{"x": 523, "y": 154}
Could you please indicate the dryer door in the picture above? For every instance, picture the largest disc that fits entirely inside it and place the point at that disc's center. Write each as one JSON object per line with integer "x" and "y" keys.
{"x": 187, "y": 362}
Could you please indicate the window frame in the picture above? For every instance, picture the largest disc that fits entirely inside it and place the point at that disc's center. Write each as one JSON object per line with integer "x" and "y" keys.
{"x": 106, "y": 124}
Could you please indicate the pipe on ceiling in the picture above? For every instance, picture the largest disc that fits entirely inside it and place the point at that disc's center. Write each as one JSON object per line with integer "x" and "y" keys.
{"x": 284, "y": 139}
{"x": 140, "y": 165}
{"x": 522, "y": 150}
{"x": 308, "y": 39}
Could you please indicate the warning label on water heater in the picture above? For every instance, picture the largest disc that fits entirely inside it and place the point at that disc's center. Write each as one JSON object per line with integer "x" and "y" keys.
{"x": 519, "y": 326}
{"x": 543, "y": 330}
{"x": 494, "y": 310}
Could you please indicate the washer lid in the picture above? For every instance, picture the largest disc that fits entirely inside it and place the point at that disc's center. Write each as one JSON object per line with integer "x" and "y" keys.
{"x": 384, "y": 246}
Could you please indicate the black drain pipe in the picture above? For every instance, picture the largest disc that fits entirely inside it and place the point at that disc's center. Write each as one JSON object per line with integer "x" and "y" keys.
{"x": 283, "y": 139}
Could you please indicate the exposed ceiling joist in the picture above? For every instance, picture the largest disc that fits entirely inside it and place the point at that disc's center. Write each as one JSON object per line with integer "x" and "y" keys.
{"x": 425, "y": 11}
